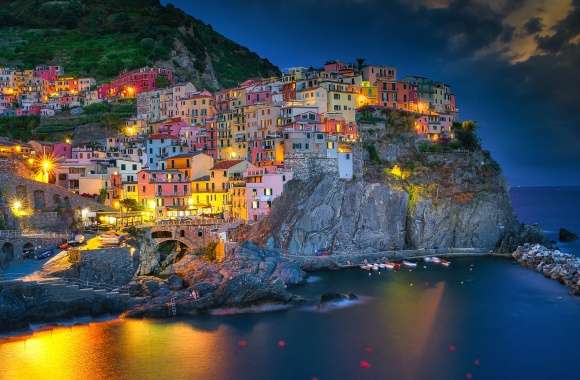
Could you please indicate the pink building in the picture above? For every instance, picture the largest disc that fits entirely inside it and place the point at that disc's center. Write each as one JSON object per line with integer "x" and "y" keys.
{"x": 336, "y": 67}
{"x": 263, "y": 185}
{"x": 132, "y": 83}
{"x": 171, "y": 127}
{"x": 340, "y": 128}
{"x": 163, "y": 190}
{"x": 258, "y": 96}
{"x": 407, "y": 97}
{"x": 62, "y": 150}
{"x": 376, "y": 73}
{"x": 48, "y": 73}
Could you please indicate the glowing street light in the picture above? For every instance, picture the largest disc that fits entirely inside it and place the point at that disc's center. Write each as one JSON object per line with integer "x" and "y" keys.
{"x": 17, "y": 205}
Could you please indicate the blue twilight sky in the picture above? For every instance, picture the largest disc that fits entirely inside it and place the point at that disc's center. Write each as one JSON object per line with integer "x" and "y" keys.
{"x": 514, "y": 64}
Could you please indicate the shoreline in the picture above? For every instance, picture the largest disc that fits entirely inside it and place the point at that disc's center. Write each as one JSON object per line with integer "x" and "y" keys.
{"x": 130, "y": 312}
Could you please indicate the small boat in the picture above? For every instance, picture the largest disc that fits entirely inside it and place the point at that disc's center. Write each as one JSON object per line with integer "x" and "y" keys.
{"x": 428, "y": 259}
{"x": 445, "y": 263}
{"x": 436, "y": 260}
{"x": 397, "y": 266}
{"x": 390, "y": 265}
{"x": 409, "y": 264}
{"x": 365, "y": 267}
{"x": 382, "y": 265}
{"x": 109, "y": 239}
{"x": 375, "y": 267}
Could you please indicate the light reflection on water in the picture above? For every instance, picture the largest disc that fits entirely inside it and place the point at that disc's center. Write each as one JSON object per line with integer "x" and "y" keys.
{"x": 430, "y": 324}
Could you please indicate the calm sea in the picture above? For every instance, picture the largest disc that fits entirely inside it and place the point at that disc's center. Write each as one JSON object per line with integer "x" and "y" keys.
{"x": 482, "y": 318}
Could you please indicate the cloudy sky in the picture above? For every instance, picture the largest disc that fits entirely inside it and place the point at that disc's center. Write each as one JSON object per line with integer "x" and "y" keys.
{"x": 514, "y": 64}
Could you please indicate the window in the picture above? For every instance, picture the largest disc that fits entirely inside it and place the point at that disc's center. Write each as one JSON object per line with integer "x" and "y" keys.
{"x": 134, "y": 166}
{"x": 336, "y": 96}
{"x": 330, "y": 145}
{"x": 255, "y": 204}
{"x": 123, "y": 167}
{"x": 268, "y": 191}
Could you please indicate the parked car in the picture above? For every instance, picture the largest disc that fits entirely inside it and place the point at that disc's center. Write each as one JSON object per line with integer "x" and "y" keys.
{"x": 323, "y": 252}
{"x": 45, "y": 254}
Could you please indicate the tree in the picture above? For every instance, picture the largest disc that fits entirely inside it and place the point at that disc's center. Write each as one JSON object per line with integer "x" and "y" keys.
{"x": 131, "y": 205}
{"x": 102, "y": 196}
{"x": 465, "y": 134}
{"x": 161, "y": 82}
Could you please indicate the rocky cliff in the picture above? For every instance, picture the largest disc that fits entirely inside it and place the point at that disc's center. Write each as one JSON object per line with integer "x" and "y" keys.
{"x": 407, "y": 193}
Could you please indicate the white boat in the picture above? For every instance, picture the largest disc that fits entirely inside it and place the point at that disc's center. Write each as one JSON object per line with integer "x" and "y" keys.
{"x": 382, "y": 265}
{"x": 365, "y": 267}
{"x": 445, "y": 263}
{"x": 375, "y": 267}
{"x": 389, "y": 265}
{"x": 436, "y": 260}
{"x": 409, "y": 264}
{"x": 109, "y": 239}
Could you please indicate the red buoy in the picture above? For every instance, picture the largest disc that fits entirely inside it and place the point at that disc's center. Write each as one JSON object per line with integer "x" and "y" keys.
{"x": 281, "y": 344}
{"x": 477, "y": 362}
{"x": 468, "y": 376}
{"x": 452, "y": 348}
{"x": 364, "y": 364}
{"x": 369, "y": 349}
{"x": 243, "y": 343}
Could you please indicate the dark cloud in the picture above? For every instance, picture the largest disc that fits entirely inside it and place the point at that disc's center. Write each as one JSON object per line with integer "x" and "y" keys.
{"x": 534, "y": 25}
{"x": 564, "y": 32}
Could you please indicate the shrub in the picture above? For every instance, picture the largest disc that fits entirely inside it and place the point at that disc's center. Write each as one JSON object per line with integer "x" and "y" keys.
{"x": 465, "y": 134}
{"x": 373, "y": 154}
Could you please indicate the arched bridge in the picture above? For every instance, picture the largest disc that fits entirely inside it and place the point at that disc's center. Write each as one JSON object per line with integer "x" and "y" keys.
{"x": 192, "y": 235}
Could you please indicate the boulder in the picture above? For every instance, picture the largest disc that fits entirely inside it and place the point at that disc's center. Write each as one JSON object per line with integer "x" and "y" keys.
{"x": 175, "y": 282}
{"x": 337, "y": 297}
{"x": 566, "y": 236}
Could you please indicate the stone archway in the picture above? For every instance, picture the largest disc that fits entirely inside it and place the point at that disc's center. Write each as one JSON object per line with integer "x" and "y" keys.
{"x": 183, "y": 241}
{"x": 6, "y": 254}
{"x": 161, "y": 234}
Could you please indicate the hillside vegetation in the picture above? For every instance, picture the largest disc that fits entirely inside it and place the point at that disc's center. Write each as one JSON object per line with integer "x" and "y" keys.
{"x": 100, "y": 38}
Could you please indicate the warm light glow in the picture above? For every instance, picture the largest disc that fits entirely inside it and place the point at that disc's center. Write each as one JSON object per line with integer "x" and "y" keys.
{"x": 116, "y": 204}
{"x": 31, "y": 161}
{"x": 130, "y": 131}
{"x": 16, "y": 205}
{"x": 67, "y": 140}
{"x": 130, "y": 91}
{"x": 397, "y": 172}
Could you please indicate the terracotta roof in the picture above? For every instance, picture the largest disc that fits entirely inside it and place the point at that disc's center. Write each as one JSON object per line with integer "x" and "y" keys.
{"x": 226, "y": 164}
{"x": 184, "y": 155}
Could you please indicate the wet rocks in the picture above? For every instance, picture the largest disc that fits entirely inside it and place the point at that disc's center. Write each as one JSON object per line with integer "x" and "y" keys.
{"x": 337, "y": 297}
{"x": 566, "y": 236}
{"x": 553, "y": 264}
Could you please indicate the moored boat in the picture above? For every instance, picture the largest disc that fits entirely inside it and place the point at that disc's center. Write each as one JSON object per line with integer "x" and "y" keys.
{"x": 409, "y": 264}
{"x": 445, "y": 263}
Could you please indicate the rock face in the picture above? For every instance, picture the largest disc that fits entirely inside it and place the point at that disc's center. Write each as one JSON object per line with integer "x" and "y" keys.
{"x": 22, "y": 303}
{"x": 449, "y": 199}
{"x": 553, "y": 264}
{"x": 361, "y": 217}
{"x": 566, "y": 236}
{"x": 250, "y": 276}
{"x": 111, "y": 266}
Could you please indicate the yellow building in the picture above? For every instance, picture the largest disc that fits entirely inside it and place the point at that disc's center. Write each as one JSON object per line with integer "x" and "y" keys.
{"x": 193, "y": 165}
{"x": 204, "y": 201}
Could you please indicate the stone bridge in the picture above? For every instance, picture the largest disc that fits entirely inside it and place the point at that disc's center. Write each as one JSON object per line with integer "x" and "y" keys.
{"x": 192, "y": 235}
{"x": 15, "y": 245}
